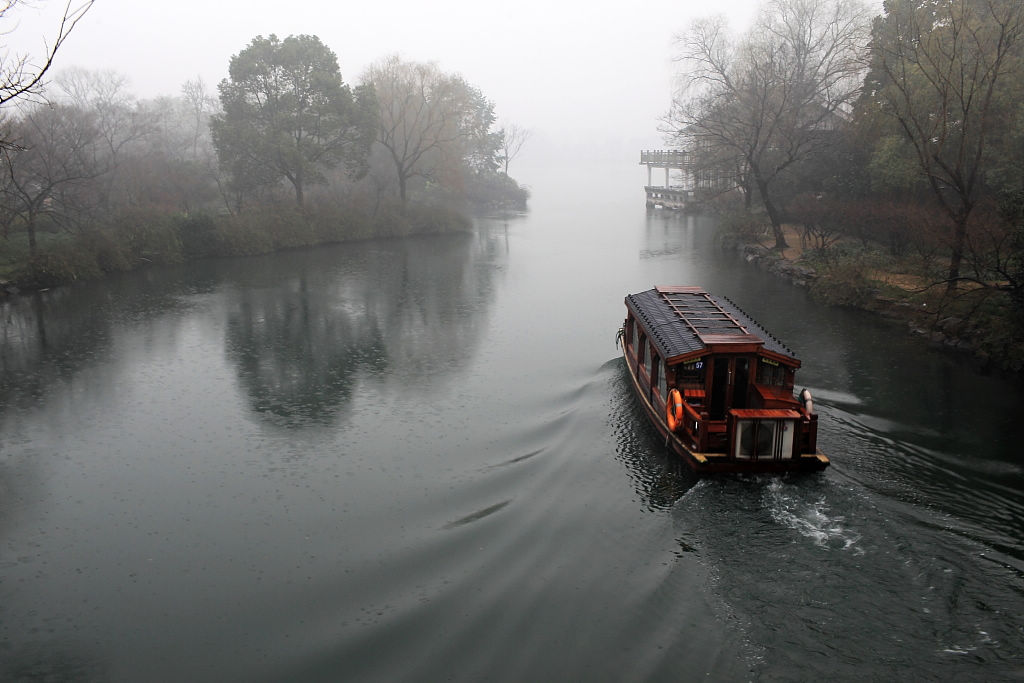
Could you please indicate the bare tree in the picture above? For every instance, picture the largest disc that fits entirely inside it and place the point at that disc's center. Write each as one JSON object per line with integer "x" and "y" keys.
{"x": 419, "y": 115}
{"x": 120, "y": 120}
{"x": 86, "y": 88}
{"x": 513, "y": 138}
{"x": 48, "y": 166}
{"x": 942, "y": 70}
{"x": 772, "y": 99}
{"x": 202, "y": 104}
{"x": 20, "y": 76}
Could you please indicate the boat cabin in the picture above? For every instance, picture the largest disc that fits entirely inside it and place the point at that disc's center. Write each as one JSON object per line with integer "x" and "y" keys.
{"x": 717, "y": 382}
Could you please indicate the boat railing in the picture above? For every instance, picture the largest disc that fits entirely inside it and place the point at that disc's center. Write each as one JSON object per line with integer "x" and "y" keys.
{"x": 692, "y": 422}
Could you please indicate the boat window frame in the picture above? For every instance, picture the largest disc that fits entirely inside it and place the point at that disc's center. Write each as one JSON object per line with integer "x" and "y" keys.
{"x": 649, "y": 355}
{"x": 662, "y": 371}
{"x": 692, "y": 374}
{"x": 770, "y": 373}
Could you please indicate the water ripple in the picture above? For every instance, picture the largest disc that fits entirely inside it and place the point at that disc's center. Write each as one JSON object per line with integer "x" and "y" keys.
{"x": 478, "y": 515}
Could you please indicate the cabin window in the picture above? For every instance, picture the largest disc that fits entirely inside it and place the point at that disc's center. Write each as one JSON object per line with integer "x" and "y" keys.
{"x": 690, "y": 375}
{"x": 771, "y": 373}
{"x": 662, "y": 379}
{"x": 641, "y": 349}
{"x": 649, "y": 359}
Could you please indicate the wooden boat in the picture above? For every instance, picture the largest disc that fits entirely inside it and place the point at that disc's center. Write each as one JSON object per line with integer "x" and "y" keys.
{"x": 717, "y": 385}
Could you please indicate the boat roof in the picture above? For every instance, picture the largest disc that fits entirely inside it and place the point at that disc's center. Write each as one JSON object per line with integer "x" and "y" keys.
{"x": 686, "y": 321}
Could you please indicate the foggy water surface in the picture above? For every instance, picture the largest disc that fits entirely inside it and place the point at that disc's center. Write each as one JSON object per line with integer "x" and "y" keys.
{"x": 420, "y": 460}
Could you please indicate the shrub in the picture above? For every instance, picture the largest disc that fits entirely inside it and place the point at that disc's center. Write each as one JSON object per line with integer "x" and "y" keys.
{"x": 59, "y": 264}
{"x": 391, "y": 220}
{"x": 288, "y": 226}
{"x": 198, "y": 235}
{"x": 240, "y": 236}
{"x": 743, "y": 227}
{"x": 844, "y": 284}
{"x": 432, "y": 219}
{"x": 111, "y": 254}
{"x": 496, "y": 191}
{"x": 149, "y": 235}
{"x": 335, "y": 222}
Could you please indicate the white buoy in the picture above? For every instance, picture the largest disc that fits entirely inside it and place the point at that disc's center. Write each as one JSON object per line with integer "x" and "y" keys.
{"x": 808, "y": 402}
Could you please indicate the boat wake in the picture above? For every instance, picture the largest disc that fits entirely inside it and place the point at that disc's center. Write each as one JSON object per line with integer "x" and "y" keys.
{"x": 810, "y": 519}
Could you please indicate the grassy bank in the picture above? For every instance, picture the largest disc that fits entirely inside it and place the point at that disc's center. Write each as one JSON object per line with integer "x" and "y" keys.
{"x": 137, "y": 239}
{"x": 981, "y": 321}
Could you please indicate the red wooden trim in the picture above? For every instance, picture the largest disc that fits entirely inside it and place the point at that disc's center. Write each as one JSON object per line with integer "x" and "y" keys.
{"x": 687, "y": 357}
{"x": 762, "y": 414}
{"x": 774, "y": 393}
{"x": 740, "y": 346}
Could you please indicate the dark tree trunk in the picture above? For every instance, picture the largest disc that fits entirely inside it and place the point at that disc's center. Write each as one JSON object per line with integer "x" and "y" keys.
{"x": 297, "y": 182}
{"x": 957, "y": 252}
{"x": 30, "y": 226}
{"x": 773, "y": 211}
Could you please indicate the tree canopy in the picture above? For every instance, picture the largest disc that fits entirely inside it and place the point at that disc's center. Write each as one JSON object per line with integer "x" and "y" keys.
{"x": 287, "y": 115}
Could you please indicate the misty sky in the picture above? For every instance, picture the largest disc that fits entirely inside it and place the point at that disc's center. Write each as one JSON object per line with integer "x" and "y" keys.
{"x": 575, "y": 73}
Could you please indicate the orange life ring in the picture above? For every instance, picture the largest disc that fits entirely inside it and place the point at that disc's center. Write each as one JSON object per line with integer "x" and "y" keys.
{"x": 674, "y": 409}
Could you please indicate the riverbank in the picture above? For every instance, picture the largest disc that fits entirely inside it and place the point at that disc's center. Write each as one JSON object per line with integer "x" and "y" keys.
{"x": 973, "y": 322}
{"x": 140, "y": 239}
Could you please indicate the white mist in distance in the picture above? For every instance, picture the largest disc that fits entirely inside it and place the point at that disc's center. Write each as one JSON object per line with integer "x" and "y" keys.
{"x": 587, "y": 79}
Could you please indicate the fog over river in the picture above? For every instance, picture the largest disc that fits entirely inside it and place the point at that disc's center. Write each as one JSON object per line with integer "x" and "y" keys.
{"x": 420, "y": 460}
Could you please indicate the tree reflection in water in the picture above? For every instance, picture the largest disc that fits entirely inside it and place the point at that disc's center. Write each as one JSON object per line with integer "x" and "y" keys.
{"x": 410, "y": 311}
{"x": 296, "y": 358}
{"x": 302, "y": 327}
{"x": 47, "y": 338}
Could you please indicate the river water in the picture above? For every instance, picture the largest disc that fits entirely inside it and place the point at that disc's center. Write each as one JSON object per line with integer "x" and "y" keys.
{"x": 420, "y": 460}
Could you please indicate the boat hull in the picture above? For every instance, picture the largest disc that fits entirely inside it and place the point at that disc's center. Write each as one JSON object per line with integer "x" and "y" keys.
{"x": 711, "y": 463}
